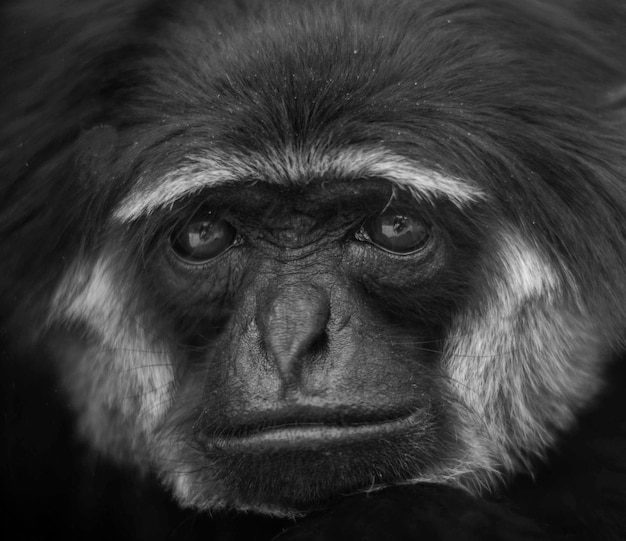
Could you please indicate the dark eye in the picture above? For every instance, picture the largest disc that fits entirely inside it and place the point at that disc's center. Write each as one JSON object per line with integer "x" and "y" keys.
{"x": 395, "y": 231}
{"x": 203, "y": 239}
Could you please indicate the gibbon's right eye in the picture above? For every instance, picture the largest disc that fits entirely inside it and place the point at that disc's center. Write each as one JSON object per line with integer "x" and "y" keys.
{"x": 201, "y": 240}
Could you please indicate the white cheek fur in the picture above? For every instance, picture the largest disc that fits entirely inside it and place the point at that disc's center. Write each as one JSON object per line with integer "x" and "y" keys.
{"x": 519, "y": 367}
{"x": 126, "y": 374}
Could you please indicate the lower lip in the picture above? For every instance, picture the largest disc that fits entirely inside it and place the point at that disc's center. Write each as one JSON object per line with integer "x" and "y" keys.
{"x": 311, "y": 436}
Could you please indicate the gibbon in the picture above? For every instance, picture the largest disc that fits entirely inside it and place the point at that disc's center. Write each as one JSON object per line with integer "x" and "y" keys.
{"x": 354, "y": 266}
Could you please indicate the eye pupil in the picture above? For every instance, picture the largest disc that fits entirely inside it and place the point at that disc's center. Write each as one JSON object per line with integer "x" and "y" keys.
{"x": 201, "y": 240}
{"x": 202, "y": 233}
{"x": 399, "y": 224}
{"x": 397, "y": 232}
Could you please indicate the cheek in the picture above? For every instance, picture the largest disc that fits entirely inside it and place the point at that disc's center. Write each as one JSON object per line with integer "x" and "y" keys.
{"x": 116, "y": 359}
{"x": 519, "y": 365}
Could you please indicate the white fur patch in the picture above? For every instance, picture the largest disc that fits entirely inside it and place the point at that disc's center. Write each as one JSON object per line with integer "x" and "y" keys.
{"x": 130, "y": 368}
{"x": 290, "y": 167}
{"x": 523, "y": 364}
{"x": 527, "y": 273}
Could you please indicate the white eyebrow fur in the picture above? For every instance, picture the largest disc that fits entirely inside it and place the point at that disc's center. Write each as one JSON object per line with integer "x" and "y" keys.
{"x": 290, "y": 167}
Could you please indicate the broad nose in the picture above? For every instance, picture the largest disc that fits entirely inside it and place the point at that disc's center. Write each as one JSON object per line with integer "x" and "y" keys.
{"x": 293, "y": 322}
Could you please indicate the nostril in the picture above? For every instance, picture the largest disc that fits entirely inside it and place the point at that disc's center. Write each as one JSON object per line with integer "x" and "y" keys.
{"x": 319, "y": 345}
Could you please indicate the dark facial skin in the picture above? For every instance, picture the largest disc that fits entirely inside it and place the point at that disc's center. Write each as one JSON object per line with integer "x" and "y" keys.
{"x": 309, "y": 364}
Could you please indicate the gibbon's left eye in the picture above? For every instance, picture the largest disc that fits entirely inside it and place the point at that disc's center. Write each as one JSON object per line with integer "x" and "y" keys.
{"x": 395, "y": 231}
{"x": 203, "y": 239}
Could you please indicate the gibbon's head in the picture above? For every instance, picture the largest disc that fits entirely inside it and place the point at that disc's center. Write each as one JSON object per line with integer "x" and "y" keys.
{"x": 286, "y": 253}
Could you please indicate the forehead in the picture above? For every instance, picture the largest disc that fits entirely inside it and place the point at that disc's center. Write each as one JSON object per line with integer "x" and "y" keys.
{"x": 293, "y": 104}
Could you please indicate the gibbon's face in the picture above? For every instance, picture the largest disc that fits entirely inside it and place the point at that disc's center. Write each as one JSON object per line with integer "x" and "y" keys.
{"x": 329, "y": 255}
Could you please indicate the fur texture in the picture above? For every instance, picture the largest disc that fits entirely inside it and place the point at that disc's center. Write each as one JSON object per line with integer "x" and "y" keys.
{"x": 504, "y": 119}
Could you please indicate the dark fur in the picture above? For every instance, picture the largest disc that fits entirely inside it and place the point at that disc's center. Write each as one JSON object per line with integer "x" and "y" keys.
{"x": 522, "y": 98}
